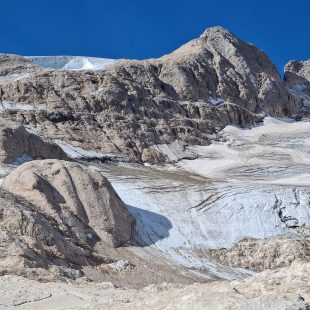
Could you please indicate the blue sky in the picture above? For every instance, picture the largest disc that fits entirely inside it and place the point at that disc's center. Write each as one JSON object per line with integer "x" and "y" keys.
{"x": 147, "y": 28}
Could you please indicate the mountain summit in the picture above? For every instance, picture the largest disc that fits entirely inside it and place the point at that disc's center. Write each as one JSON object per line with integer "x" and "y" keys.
{"x": 131, "y": 106}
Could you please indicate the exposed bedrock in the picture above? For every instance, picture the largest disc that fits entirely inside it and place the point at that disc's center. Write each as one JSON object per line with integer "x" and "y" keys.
{"x": 285, "y": 288}
{"x": 297, "y": 75}
{"x": 81, "y": 200}
{"x": 214, "y": 80}
{"x": 260, "y": 254}
{"x": 53, "y": 213}
{"x": 33, "y": 243}
{"x": 18, "y": 144}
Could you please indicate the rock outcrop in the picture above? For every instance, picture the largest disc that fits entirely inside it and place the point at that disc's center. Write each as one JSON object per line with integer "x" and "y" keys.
{"x": 261, "y": 254}
{"x": 80, "y": 200}
{"x": 130, "y": 106}
{"x": 17, "y": 144}
{"x": 286, "y": 288}
{"x": 297, "y": 72}
{"x": 297, "y": 75}
{"x": 33, "y": 244}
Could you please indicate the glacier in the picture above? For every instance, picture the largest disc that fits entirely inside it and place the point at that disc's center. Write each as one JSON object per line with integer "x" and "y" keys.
{"x": 71, "y": 63}
{"x": 249, "y": 183}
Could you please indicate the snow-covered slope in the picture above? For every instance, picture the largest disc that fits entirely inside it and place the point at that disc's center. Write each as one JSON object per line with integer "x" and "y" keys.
{"x": 71, "y": 63}
{"x": 253, "y": 184}
{"x": 249, "y": 183}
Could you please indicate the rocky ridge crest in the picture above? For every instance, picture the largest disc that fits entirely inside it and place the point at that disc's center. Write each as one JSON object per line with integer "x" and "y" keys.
{"x": 130, "y": 106}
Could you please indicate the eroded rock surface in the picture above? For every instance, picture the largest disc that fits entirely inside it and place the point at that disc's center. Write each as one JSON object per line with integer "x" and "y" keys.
{"x": 80, "y": 200}
{"x": 297, "y": 72}
{"x": 17, "y": 143}
{"x": 297, "y": 75}
{"x": 286, "y": 288}
{"x": 33, "y": 244}
{"x": 214, "y": 80}
{"x": 261, "y": 254}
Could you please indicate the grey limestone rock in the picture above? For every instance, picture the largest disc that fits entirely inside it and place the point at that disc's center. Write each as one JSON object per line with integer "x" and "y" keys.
{"x": 130, "y": 106}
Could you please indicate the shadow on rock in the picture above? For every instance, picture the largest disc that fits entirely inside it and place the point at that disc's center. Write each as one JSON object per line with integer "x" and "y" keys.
{"x": 150, "y": 227}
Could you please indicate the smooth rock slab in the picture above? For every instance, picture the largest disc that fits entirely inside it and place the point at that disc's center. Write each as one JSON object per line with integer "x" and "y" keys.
{"x": 79, "y": 199}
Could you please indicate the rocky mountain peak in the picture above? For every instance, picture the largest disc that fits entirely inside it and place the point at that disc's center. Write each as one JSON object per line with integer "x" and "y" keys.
{"x": 297, "y": 76}
{"x": 129, "y": 107}
{"x": 217, "y": 32}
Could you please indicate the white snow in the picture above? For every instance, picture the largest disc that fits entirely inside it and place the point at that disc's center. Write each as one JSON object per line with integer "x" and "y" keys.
{"x": 215, "y": 101}
{"x": 80, "y": 153}
{"x": 175, "y": 151}
{"x": 32, "y": 130}
{"x": 297, "y": 180}
{"x": 5, "y": 169}
{"x": 77, "y": 152}
{"x": 5, "y": 105}
{"x": 71, "y": 63}
{"x": 166, "y": 226}
{"x": 254, "y": 184}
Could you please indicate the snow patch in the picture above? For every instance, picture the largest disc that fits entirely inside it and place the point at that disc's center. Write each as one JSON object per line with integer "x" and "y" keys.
{"x": 5, "y": 105}
{"x": 4, "y": 170}
{"x": 79, "y": 153}
{"x": 71, "y": 63}
{"x": 175, "y": 151}
{"x": 31, "y": 130}
{"x": 296, "y": 180}
{"x": 215, "y": 101}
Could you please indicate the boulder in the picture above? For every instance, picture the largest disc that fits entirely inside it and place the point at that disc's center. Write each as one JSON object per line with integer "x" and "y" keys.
{"x": 18, "y": 144}
{"x": 33, "y": 240}
{"x": 81, "y": 200}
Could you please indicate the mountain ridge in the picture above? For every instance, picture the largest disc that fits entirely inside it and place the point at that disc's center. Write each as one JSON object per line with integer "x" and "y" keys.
{"x": 132, "y": 105}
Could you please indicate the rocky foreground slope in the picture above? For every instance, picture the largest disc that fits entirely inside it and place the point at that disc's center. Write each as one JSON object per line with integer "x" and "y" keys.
{"x": 53, "y": 215}
{"x": 130, "y": 106}
{"x": 286, "y": 288}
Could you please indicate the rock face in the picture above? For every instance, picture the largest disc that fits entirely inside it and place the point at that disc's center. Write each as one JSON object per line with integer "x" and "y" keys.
{"x": 30, "y": 239}
{"x": 220, "y": 65}
{"x": 297, "y": 75}
{"x": 131, "y": 106}
{"x": 260, "y": 254}
{"x": 297, "y": 72}
{"x": 82, "y": 202}
{"x": 17, "y": 143}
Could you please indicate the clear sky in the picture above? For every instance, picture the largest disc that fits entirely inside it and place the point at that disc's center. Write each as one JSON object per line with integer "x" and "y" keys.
{"x": 150, "y": 28}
